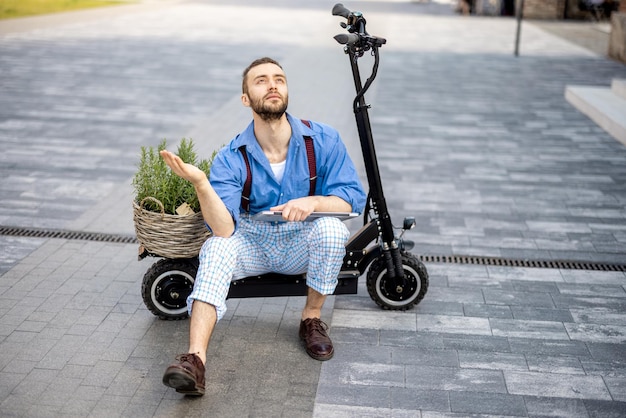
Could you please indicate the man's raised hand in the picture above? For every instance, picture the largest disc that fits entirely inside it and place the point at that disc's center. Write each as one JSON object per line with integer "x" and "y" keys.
{"x": 180, "y": 168}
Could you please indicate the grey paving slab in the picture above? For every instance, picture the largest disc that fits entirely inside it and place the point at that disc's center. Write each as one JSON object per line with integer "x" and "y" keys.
{"x": 491, "y": 360}
{"x": 455, "y": 379}
{"x": 555, "y": 407}
{"x": 111, "y": 349}
{"x": 556, "y": 385}
{"x": 530, "y": 366}
{"x": 487, "y": 403}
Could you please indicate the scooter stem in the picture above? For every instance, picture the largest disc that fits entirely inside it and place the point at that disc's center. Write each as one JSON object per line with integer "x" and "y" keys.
{"x": 357, "y": 42}
{"x": 390, "y": 248}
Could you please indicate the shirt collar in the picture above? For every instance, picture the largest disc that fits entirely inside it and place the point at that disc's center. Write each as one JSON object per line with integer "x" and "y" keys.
{"x": 247, "y": 138}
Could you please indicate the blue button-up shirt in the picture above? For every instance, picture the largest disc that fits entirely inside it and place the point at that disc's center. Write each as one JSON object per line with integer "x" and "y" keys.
{"x": 336, "y": 174}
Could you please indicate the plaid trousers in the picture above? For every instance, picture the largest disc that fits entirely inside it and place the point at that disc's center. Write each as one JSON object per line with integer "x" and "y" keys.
{"x": 316, "y": 248}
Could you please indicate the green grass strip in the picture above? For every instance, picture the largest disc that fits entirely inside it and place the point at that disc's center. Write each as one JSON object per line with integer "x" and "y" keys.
{"x": 20, "y": 8}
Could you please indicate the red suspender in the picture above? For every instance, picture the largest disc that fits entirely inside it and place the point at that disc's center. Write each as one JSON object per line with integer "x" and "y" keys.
{"x": 310, "y": 155}
{"x": 247, "y": 186}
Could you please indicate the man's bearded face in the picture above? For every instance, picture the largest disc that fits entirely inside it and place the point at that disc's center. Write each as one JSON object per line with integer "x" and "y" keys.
{"x": 271, "y": 106}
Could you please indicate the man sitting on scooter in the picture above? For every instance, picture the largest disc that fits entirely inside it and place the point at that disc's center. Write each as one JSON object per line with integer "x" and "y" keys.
{"x": 273, "y": 150}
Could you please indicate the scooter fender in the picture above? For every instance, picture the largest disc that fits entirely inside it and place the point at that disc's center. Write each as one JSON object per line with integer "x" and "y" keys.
{"x": 360, "y": 252}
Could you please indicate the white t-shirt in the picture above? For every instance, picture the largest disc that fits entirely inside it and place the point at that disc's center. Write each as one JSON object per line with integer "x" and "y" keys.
{"x": 279, "y": 170}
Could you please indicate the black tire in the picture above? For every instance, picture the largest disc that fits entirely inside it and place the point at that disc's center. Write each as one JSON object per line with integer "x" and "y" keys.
{"x": 166, "y": 286}
{"x": 390, "y": 296}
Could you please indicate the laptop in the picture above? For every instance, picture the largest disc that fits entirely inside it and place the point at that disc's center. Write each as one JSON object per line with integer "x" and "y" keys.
{"x": 277, "y": 215}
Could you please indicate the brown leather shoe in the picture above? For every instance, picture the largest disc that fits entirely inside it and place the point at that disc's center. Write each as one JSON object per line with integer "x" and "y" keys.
{"x": 186, "y": 376}
{"x": 317, "y": 342}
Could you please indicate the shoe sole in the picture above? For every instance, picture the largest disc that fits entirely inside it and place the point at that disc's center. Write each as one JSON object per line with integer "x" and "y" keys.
{"x": 182, "y": 382}
{"x": 320, "y": 357}
{"x": 323, "y": 357}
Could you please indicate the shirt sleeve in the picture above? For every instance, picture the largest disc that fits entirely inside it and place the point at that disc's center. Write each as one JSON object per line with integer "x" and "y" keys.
{"x": 338, "y": 175}
{"x": 226, "y": 179}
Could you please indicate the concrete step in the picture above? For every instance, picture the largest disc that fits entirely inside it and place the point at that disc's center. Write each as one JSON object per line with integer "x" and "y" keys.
{"x": 618, "y": 86}
{"x": 605, "y": 106}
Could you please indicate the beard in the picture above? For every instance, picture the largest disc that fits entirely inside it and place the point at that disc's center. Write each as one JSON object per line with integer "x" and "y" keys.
{"x": 269, "y": 111}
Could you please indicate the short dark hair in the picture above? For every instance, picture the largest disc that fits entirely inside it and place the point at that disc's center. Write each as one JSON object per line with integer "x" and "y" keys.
{"x": 259, "y": 61}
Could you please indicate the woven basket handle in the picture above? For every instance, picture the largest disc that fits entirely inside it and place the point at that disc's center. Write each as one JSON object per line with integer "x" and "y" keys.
{"x": 155, "y": 200}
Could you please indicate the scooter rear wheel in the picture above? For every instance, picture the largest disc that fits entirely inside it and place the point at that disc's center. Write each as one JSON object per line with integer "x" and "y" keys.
{"x": 166, "y": 286}
{"x": 398, "y": 294}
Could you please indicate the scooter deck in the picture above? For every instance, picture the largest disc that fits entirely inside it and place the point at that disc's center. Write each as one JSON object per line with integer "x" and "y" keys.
{"x": 275, "y": 284}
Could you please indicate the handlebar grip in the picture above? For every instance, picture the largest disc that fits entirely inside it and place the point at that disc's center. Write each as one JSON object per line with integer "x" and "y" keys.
{"x": 340, "y": 10}
{"x": 347, "y": 38}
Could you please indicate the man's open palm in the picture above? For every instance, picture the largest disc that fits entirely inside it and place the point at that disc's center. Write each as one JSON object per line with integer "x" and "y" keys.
{"x": 187, "y": 171}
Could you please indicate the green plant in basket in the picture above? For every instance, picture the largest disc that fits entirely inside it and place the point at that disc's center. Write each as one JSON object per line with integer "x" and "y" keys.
{"x": 155, "y": 179}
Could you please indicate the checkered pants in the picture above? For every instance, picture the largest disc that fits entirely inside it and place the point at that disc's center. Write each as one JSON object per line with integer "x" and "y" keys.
{"x": 316, "y": 247}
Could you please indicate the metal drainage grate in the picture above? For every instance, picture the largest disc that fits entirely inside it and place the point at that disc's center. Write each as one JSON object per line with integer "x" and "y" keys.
{"x": 548, "y": 264}
{"x": 449, "y": 259}
{"x": 63, "y": 234}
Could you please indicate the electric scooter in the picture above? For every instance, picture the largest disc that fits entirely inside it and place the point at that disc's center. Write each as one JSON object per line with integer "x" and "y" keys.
{"x": 395, "y": 280}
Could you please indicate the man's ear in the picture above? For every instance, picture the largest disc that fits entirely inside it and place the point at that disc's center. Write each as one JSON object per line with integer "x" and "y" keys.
{"x": 245, "y": 100}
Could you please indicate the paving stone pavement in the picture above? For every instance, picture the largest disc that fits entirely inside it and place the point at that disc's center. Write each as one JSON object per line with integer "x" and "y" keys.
{"x": 479, "y": 145}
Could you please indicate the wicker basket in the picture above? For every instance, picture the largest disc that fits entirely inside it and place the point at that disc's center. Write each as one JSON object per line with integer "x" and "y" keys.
{"x": 169, "y": 236}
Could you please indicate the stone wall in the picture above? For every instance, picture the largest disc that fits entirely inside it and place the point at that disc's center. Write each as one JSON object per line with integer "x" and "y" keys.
{"x": 543, "y": 9}
{"x": 539, "y": 9}
{"x": 617, "y": 41}
{"x": 488, "y": 7}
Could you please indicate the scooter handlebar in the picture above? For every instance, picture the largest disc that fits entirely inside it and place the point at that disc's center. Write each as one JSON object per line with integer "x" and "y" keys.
{"x": 340, "y": 10}
{"x": 347, "y": 38}
{"x": 356, "y": 29}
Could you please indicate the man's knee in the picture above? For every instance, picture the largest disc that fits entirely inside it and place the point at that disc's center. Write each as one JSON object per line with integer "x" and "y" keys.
{"x": 217, "y": 265}
{"x": 329, "y": 231}
{"x": 218, "y": 260}
{"x": 217, "y": 247}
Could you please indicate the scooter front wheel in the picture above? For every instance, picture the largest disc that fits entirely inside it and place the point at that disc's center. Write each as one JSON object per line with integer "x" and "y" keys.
{"x": 398, "y": 293}
{"x": 166, "y": 286}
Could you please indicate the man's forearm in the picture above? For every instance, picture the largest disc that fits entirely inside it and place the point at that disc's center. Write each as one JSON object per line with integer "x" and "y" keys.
{"x": 331, "y": 204}
{"x": 214, "y": 212}
{"x": 299, "y": 209}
